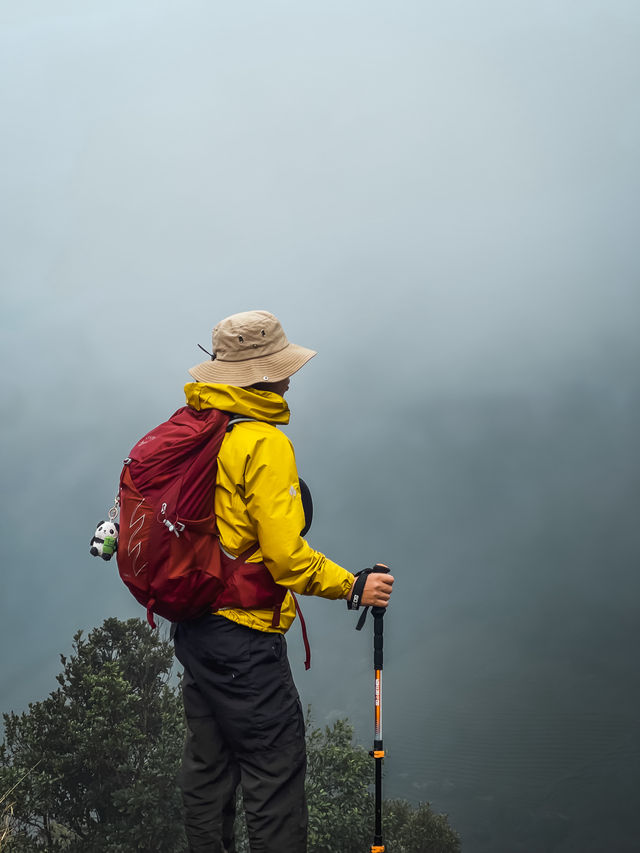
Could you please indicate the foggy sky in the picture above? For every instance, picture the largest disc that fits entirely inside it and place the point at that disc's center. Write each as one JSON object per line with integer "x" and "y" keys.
{"x": 443, "y": 201}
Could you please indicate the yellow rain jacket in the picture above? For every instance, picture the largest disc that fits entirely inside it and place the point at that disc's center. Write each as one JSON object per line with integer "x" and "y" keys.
{"x": 257, "y": 500}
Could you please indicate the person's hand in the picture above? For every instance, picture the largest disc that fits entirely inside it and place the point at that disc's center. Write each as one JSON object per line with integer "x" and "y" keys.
{"x": 377, "y": 590}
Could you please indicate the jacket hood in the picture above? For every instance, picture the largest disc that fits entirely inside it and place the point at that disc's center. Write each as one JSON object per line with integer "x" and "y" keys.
{"x": 247, "y": 402}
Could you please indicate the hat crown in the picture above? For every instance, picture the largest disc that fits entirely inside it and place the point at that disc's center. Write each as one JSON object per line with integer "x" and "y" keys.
{"x": 248, "y": 348}
{"x": 248, "y": 335}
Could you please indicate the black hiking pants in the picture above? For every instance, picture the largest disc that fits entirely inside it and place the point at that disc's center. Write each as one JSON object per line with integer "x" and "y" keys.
{"x": 244, "y": 726}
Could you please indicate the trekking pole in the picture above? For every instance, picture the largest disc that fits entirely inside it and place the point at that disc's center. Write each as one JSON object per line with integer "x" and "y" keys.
{"x": 378, "y": 749}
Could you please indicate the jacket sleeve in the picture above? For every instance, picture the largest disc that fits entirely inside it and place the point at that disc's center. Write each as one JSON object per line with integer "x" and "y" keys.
{"x": 274, "y": 504}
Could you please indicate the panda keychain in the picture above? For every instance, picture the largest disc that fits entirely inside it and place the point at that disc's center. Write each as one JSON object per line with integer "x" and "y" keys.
{"x": 104, "y": 542}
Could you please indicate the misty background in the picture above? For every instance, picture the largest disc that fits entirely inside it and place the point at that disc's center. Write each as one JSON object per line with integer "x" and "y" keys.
{"x": 443, "y": 200}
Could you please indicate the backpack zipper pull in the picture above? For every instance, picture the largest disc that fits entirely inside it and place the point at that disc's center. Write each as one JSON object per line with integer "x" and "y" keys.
{"x": 174, "y": 527}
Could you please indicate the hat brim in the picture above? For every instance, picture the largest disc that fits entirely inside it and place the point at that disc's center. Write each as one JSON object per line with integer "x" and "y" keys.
{"x": 267, "y": 368}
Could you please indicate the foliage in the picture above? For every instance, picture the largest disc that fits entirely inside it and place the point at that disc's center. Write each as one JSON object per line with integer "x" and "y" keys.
{"x": 341, "y": 807}
{"x": 417, "y": 830}
{"x": 94, "y": 764}
{"x": 338, "y": 777}
{"x": 93, "y": 767}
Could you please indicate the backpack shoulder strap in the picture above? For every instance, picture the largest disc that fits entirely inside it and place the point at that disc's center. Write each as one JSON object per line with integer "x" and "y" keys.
{"x": 239, "y": 419}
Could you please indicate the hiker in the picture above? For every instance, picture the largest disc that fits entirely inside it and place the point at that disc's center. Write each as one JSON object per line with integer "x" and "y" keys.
{"x": 245, "y": 723}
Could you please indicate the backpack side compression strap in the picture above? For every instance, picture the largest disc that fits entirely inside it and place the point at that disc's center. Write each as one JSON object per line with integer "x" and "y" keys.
{"x": 305, "y": 638}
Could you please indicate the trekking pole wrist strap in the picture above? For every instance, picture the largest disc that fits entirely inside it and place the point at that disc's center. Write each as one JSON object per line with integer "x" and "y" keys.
{"x": 356, "y": 597}
{"x": 353, "y": 603}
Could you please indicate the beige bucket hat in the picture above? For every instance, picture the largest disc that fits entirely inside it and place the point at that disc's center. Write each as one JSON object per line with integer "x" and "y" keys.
{"x": 248, "y": 348}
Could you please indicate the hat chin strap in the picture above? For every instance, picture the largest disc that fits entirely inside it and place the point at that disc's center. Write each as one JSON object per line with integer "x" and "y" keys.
{"x": 211, "y": 355}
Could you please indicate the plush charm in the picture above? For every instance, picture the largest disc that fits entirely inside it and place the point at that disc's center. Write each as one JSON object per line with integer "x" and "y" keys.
{"x": 105, "y": 540}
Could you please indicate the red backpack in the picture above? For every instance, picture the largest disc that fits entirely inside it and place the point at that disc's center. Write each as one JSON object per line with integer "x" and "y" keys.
{"x": 168, "y": 552}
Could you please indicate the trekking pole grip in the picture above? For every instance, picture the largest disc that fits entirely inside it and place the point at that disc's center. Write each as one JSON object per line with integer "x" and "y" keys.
{"x": 382, "y": 569}
{"x": 378, "y": 613}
